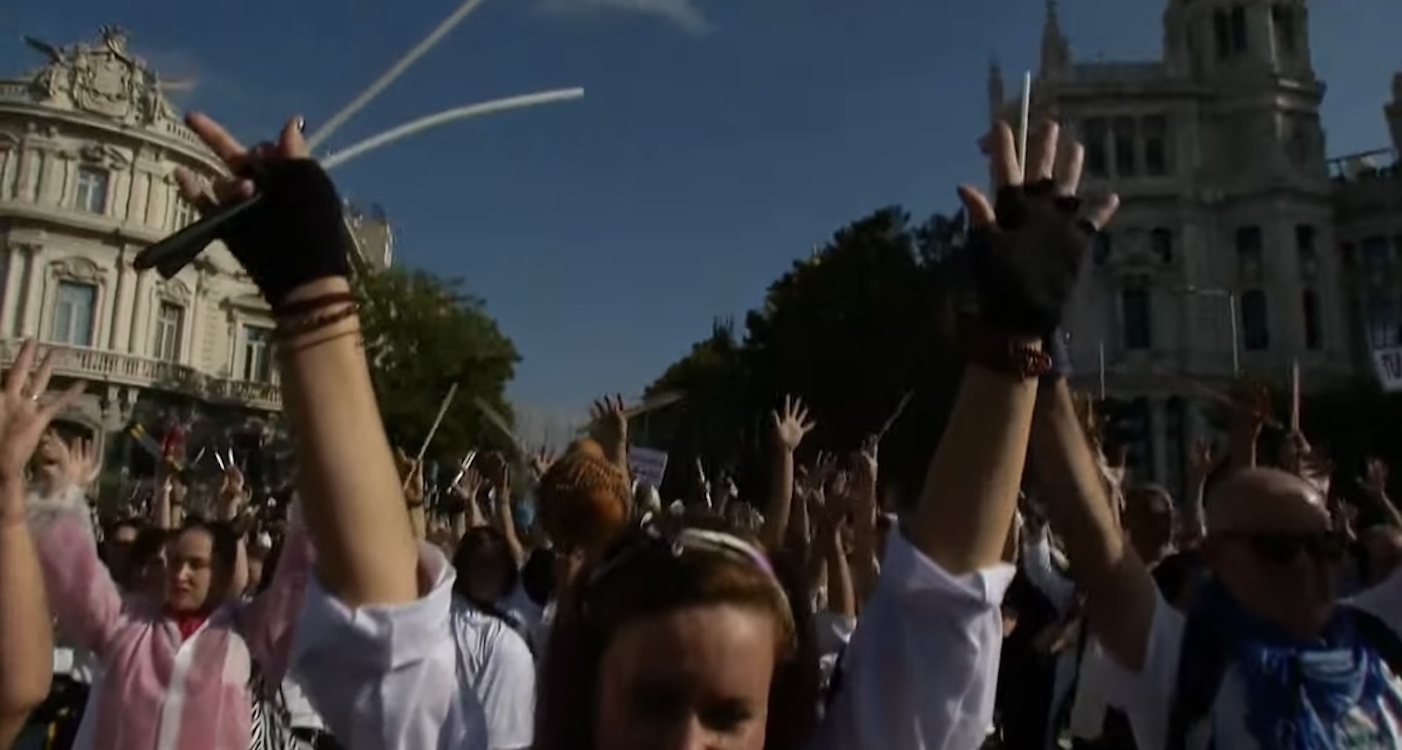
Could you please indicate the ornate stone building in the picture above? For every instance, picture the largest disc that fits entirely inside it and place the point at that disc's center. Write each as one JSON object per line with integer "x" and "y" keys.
{"x": 89, "y": 143}
{"x": 1220, "y": 258}
{"x": 1368, "y": 210}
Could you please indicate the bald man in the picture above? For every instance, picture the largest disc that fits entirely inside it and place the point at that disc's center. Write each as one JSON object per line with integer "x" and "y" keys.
{"x": 1287, "y": 667}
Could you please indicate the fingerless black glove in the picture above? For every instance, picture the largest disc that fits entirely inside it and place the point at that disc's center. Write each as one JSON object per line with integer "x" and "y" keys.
{"x": 295, "y": 234}
{"x": 1025, "y": 268}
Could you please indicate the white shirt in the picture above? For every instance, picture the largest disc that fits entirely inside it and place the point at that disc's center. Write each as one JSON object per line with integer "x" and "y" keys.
{"x": 918, "y": 674}
{"x": 495, "y": 661}
{"x": 301, "y": 714}
{"x": 1145, "y": 696}
{"x": 519, "y": 605}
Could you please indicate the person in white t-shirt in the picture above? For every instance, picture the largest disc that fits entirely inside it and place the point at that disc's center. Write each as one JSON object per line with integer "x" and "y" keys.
{"x": 1265, "y": 657}
{"x": 492, "y": 655}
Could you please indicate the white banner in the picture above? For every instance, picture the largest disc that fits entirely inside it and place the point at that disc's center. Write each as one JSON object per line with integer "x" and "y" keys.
{"x": 1388, "y": 363}
{"x": 647, "y": 465}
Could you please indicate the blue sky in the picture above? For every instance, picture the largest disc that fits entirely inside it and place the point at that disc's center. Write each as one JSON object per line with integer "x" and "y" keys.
{"x": 719, "y": 139}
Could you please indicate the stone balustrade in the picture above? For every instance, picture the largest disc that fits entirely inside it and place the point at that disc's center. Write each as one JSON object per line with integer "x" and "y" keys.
{"x": 120, "y": 368}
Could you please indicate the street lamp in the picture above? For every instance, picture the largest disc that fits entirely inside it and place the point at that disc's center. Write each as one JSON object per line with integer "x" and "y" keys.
{"x": 1232, "y": 313}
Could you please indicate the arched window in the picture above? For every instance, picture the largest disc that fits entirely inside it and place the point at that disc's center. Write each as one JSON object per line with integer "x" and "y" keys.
{"x": 1255, "y": 326}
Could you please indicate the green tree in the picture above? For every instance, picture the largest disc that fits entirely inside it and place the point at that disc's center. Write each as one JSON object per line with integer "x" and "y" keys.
{"x": 850, "y": 329}
{"x": 423, "y": 334}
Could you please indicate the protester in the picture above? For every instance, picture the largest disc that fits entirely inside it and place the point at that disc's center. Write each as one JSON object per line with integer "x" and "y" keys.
{"x": 214, "y": 646}
{"x": 26, "y": 638}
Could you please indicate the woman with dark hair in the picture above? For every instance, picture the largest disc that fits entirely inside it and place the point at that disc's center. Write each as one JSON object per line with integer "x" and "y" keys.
{"x": 177, "y": 665}
{"x": 492, "y": 654}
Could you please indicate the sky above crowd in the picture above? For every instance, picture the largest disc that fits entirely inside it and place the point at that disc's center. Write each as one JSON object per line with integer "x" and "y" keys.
{"x": 718, "y": 141}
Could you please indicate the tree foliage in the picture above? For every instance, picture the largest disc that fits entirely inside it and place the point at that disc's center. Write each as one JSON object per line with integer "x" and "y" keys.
{"x": 865, "y": 320}
{"x": 851, "y": 330}
{"x": 422, "y": 334}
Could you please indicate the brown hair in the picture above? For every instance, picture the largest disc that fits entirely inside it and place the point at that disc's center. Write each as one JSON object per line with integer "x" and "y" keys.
{"x": 644, "y": 575}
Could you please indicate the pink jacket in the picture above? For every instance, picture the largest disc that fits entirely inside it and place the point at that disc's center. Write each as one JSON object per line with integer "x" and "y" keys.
{"x": 158, "y": 692}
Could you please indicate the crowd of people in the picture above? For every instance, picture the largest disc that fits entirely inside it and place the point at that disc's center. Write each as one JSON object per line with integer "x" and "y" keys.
{"x": 1032, "y": 595}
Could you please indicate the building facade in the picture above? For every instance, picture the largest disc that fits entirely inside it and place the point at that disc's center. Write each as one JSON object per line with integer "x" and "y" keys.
{"x": 1220, "y": 259}
{"x": 89, "y": 144}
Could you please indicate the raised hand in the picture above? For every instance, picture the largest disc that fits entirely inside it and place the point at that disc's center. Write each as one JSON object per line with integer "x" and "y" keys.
{"x": 82, "y": 464}
{"x": 233, "y": 483}
{"x": 541, "y": 462}
{"x": 25, "y": 414}
{"x": 1026, "y": 253}
{"x": 609, "y": 417}
{"x": 791, "y": 424}
{"x": 1374, "y": 479}
{"x": 469, "y": 485}
{"x": 295, "y": 234}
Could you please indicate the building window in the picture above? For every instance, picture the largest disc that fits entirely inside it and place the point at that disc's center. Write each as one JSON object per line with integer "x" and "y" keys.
{"x": 257, "y": 354}
{"x": 1222, "y": 32}
{"x": 1381, "y": 311}
{"x": 1314, "y": 332}
{"x": 1239, "y": 35}
{"x": 1102, "y": 248}
{"x": 1095, "y": 135}
{"x": 1126, "y": 133}
{"x": 1377, "y": 254}
{"x": 1137, "y": 314}
{"x": 75, "y": 307}
{"x": 184, "y": 214}
{"x": 1305, "y": 248}
{"x": 1283, "y": 20}
{"x": 1161, "y": 243}
{"x": 90, "y": 194}
{"x": 1155, "y": 129}
{"x": 1250, "y": 249}
{"x": 1255, "y": 327}
{"x": 170, "y": 325}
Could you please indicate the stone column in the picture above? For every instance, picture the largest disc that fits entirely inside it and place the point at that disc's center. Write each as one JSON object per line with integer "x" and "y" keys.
{"x": 140, "y": 310}
{"x": 14, "y": 281}
{"x": 120, "y": 340}
{"x": 35, "y": 282}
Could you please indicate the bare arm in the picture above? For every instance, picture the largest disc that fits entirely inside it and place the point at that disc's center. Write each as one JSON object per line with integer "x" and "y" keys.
{"x": 789, "y": 428}
{"x": 26, "y": 638}
{"x": 971, "y": 486}
{"x": 365, "y": 547}
{"x": 1120, "y": 595}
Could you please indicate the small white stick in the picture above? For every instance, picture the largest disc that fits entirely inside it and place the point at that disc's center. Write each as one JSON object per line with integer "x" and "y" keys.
{"x": 438, "y": 420}
{"x": 1022, "y": 122}
{"x": 422, "y": 48}
{"x": 442, "y": 118}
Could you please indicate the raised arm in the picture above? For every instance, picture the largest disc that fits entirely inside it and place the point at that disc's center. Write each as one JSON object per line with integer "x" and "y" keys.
{"x": 270, "y": 620}
{"x": 1120, "y": 595}
{"x": 789, "y": 427}
{"x": 26, "y": 635}
{"x": 922, "y": 667}
{"x": 375, "y": 653}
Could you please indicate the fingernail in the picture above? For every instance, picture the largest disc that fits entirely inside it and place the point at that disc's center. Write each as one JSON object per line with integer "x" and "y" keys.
{"x": 301, "y": 125}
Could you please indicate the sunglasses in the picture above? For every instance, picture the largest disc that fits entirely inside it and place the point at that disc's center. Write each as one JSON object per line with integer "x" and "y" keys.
{"x": 1282, "y": 549}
